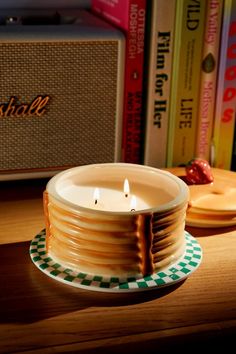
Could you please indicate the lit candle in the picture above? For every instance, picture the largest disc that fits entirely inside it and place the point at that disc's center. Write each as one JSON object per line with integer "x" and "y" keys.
{"x": 103, "y": 198}
{"x": 110, "y": 219}
{"x": 133, "y": 203}
{"x": 99, "y": 187}
{"x": 96, "y": 195}
{"x": 109, "y": 212}
{"x": 126, "y": 188}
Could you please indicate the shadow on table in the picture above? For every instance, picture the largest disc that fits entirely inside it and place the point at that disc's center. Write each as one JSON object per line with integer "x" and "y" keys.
{"x": 22, "y": 189}
{"x": 201, "y": 232}
{"x": 28, "y": 295}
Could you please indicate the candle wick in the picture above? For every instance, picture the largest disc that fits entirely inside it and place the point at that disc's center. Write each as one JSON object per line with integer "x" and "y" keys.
{"x": 126, "y": 195}
{"x": 96, "y": 201}
{"x": 132, "y": 209}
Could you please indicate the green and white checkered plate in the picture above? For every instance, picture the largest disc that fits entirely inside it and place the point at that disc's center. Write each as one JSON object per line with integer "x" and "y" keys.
{"x": 172, "y": 274}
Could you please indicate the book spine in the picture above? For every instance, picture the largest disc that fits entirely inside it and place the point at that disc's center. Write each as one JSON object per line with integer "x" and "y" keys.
{"x": 226, "y": 90}
{"x": 134, "y": 29}
{"x": 189, "y": 31}
{"x": 159, "y": 67}
{"x": 115, "y": 12}
{"x": 210, "y": 60}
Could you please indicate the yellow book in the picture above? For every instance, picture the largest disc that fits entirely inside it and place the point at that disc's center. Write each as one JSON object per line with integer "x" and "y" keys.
{"x": 209, "y": 70}
{"x": 188, "y": 43}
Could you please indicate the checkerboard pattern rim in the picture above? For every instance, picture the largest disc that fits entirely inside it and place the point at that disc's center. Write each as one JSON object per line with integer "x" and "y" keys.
{"x": 174, "y": 273}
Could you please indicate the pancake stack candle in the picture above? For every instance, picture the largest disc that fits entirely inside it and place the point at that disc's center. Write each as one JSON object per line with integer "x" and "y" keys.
{"x": 115, "y": 219}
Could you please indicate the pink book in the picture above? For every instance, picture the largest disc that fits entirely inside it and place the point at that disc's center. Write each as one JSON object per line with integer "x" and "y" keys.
{"x": 129, "y": 16}
{"x": 226, "y": 90}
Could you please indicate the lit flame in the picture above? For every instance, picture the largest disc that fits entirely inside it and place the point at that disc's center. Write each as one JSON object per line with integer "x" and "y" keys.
{"x": 126, "y": 188}
{"x": 96, "y": 195}
{"x": 133, "y": 203}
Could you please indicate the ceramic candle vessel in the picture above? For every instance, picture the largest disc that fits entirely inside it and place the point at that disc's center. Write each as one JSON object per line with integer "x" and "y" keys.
{"x": 108, "y": 236}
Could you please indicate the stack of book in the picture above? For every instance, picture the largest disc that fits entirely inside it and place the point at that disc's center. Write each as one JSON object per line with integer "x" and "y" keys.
{"x": 180, "y": 80}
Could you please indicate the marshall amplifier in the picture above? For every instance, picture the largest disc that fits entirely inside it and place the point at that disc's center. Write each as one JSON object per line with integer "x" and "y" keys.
{"x": 61, "y": 90}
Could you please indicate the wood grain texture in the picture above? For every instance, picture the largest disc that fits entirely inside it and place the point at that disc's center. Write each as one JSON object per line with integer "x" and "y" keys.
{"x": 41, "y": 315}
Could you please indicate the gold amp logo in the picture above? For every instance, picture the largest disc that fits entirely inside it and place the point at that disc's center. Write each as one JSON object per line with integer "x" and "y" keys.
{"x": 36, "y": 108}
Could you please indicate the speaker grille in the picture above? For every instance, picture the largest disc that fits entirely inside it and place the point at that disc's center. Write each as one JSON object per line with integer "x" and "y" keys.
{"x": 80, "y": 122}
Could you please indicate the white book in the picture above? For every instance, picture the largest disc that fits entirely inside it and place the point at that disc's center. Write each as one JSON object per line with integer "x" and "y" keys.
{"x": 159, "y": 67}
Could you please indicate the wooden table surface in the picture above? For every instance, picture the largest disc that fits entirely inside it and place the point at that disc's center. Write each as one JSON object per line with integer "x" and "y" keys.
{"x": 40, "y": 315}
